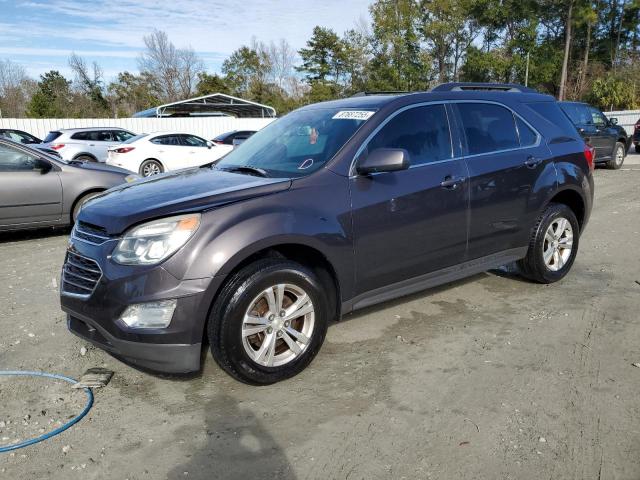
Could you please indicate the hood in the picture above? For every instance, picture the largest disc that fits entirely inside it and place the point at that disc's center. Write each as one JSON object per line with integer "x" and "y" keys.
{"x": 173, "y": 194}
{"x": 99, "y": 167}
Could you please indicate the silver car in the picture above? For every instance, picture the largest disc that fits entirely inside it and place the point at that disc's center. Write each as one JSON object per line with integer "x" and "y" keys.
{"x": 40, "y": 190}
{"x": 85, "y": 144}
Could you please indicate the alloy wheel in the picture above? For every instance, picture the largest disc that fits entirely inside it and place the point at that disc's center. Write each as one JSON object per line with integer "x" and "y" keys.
{"x": 558, "y": 244}
{"x": 278, "y": 325}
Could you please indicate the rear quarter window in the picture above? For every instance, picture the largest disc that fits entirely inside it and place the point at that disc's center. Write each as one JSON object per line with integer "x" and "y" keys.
{"x": 551, "y": 112}
{"x": 51, "y": 136}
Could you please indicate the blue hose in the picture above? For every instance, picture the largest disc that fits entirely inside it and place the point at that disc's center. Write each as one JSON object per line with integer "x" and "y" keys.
{"x": 45, "y": 436}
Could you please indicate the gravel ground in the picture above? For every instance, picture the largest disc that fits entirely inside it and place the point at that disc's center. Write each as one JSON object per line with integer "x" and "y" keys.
{"x": 491, "y": 378}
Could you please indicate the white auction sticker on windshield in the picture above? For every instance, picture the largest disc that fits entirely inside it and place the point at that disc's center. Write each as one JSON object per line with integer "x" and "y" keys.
{"x": 353, "y": 115}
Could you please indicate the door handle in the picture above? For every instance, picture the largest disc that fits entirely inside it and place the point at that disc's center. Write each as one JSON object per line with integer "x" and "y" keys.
{"x": 451, "y": 183}
{"x": 532, "y": 162}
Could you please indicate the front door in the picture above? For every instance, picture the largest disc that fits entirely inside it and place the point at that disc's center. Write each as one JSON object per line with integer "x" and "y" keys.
{"x": 28, "y": 194}
{"x": 505, "y": 157}
{"x": 604, "y": 137}
{"x": 410, "y": 222}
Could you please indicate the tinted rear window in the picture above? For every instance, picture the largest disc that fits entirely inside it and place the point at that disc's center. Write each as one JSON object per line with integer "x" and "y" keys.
{"x": 488, "y": 127}
{"x": 551, "y": 112}
{"x": 51, "y": 136}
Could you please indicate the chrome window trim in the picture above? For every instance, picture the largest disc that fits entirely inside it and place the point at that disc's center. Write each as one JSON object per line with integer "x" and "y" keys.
{"x": 77, "y": 227}
{"x": 352, "y": 168}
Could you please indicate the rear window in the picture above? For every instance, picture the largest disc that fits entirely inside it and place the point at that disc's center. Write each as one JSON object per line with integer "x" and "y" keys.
{"x": 51, "y": 136}
{"x": 552, "y": 113}
{"x": 488, "y": 127}
{"x": 135, "y": 138}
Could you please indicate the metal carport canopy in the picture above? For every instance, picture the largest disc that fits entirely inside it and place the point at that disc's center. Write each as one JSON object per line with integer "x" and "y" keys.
{"x": 215, "y": 104}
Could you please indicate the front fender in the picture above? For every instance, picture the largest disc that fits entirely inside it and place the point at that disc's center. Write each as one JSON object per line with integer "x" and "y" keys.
{"x": 311, "y": 214}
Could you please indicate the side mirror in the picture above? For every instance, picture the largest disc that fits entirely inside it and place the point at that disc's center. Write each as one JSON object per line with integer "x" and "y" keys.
{"x": 209, "y": 144}
{"x": 613, "y": 121}
{"x": 384, "y": 160}
{"x": 42, "y": 166}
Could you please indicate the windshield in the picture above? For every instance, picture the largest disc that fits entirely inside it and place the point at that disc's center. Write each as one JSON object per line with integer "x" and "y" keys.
{"x": 297, "y": 144}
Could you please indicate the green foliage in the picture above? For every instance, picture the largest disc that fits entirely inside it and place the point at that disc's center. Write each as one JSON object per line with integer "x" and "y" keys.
{"x": 211, "y": 83}
{"x": 52, "y": 98}
{"x": 132, "y": 93}
{"x": 611, "y": 93}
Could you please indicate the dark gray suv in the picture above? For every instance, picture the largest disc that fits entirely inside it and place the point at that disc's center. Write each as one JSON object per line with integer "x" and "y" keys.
{"x": 334, "y": 207}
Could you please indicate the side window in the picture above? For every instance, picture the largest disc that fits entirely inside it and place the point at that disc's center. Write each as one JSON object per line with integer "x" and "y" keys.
{"x": 597, "y": 117}
{"x": 422, "y": 131}
{"x": 527, "y": 136}
{"x": 193, "y": 141}
{"x": 488, "y": 127}
{"x": 103, "y": 136}
{"x": 12, "y": 160}
{"x": 166, "y": 140}
{"x": 122, "y": 136}
{"x": 80, "y": 136}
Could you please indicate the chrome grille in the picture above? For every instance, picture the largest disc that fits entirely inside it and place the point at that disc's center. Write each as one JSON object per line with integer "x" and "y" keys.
{"x": 90, "y": 233}
{"x": 80, "y": 275}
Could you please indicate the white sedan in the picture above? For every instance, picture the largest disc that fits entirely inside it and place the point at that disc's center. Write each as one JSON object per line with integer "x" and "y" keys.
{"x": 153, "y": 153}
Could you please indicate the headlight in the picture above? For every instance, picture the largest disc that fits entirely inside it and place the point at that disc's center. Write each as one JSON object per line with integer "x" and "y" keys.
{"x": 132, "y": 178}
{"x": 154, "y": 241}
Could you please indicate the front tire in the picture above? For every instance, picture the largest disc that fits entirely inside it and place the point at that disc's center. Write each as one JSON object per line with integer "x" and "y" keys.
{"x": 553, "y": 245}
{"x": 637, "y": 147}
{"x": 617, "y": 160}
{"x": 80, "y": 203}
{"x": 269, "y": 321}
{"x": 150, "y": 167}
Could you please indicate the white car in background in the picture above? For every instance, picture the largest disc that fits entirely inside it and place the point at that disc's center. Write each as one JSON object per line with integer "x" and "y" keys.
{"x": 153, "y": 153}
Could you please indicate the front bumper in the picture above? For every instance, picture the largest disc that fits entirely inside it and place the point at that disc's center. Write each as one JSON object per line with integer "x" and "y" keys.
{"x": 95, "y": 318}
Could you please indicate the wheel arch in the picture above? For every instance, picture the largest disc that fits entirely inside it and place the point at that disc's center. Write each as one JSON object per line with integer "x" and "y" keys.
{"x": 79, "y": 197}
{"x": 85, "y": 154}
{"x": 572, "y": 199}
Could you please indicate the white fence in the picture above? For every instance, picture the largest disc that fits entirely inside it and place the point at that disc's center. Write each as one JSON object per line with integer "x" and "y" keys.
{"x": 626, "y": 118}
{"x": 207, "y": 127}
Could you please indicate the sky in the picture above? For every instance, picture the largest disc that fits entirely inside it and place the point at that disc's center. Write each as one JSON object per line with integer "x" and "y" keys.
{"x": 41, "y": 34}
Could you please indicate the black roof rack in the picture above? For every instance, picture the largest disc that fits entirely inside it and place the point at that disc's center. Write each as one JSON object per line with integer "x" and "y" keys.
{"x": 389, "y": 92}
{"x": 496, "y": 87}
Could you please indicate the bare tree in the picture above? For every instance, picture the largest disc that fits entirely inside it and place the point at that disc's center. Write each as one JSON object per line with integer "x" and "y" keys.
{"x": 282, "y": 58}
{"x": 176, "y": 69}
{"x": 567, "y": 48}
{"x": 15, "y": 89}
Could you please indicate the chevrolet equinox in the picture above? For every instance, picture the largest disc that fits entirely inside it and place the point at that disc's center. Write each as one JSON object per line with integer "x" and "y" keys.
{"x": 334, "y": 207}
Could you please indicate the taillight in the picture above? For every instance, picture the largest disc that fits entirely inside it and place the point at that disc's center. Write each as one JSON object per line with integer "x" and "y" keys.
{"x": 589, "y": 155}
{"x": 124, "y": 149}
{"x": 57, "y": 146}
{"x": 218, "y": 142}
{"x": 637, "y": 125}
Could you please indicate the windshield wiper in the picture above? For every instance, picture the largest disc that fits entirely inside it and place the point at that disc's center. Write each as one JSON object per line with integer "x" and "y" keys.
{"x": 258, "y": 172}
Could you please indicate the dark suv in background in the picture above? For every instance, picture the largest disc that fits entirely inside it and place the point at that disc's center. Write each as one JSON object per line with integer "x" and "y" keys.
{"x": 334, "y": 207}
{"x": 609, "y": 139}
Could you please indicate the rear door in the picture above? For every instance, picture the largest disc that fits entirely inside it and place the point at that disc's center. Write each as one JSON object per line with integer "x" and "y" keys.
{"x": 27, "y": 195}
{"x": 505, "y": 157}
{"x": 410, "y": 222}
{"x": 171, "y": 152}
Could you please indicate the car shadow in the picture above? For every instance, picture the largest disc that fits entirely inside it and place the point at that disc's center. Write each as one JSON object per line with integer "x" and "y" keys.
{"x": 238, "y": 445}
{"x": 33, "y": 234}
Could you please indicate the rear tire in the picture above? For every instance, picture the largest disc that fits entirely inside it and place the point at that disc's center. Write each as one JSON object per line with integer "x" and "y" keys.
{"x": 85, "y": 158}
{"x": 266, "y": 356}
{"x": 151, "y": 167}
{"x": 80, "y": 203}
{"x": 617, "y": 160}
{"x": 553, "y": 245}
{"x": 637, "y": 147}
